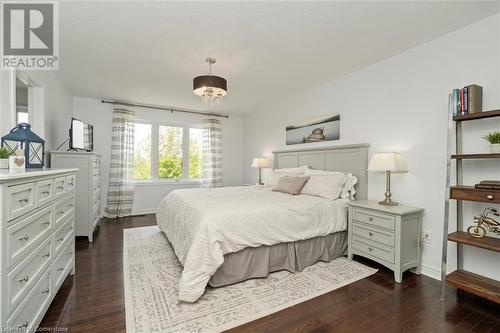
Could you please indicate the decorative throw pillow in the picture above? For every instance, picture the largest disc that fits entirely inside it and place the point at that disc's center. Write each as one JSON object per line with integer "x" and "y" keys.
{"x": 348, "y": 190}
{"x": 274, "y": 175}
{"x": 291, "y": 185}
{"x": 325, "y": 186}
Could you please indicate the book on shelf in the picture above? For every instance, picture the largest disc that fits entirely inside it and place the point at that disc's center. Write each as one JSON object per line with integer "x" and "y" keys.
{"x": 467, "y": 100}
{"x": 488, "y": 185}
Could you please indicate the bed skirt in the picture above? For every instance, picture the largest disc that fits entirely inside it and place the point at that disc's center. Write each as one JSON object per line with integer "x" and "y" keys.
{"x": 258, "y": 262}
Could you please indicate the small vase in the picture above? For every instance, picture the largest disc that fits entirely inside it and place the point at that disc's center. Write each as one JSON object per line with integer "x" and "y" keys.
{"x": 495, "y": 148}
{"x": 4, "y": 163}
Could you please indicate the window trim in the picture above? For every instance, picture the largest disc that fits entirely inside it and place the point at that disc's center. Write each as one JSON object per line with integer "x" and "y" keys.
{"x": 155, "y": 154}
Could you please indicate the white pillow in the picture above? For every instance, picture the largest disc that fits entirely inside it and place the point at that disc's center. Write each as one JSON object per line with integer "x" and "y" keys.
{"x": 274, "y": 175}
{"x": 325, "y": 186}
{"x": 348, "y": 190}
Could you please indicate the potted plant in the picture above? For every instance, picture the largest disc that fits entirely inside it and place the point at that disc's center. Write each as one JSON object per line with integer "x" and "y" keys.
{"x": 494, "y": 139}
{"x": 4, "y": 158}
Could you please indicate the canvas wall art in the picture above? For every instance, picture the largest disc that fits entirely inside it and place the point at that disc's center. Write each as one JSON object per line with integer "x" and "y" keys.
{"x": 315, "y": 130}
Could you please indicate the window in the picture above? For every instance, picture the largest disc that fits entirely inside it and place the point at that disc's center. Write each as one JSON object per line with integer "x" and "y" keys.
{"x": 142, "y": 151}
{"x": 167, "y": 152}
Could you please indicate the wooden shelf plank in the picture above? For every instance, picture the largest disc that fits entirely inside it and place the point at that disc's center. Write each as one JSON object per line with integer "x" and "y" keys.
{"x": 469, "y": 193}
{"x": 475, "y": 284}
{"x": 488, "y": 243}
{"x": 475, "y": 156}
{"x": 478, "y": 115}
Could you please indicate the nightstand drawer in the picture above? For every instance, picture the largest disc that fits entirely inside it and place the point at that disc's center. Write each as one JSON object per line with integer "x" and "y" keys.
{"x": 378, "y": 251}
{"x": 379, "y": 235}
{"x": 374, "y": 218}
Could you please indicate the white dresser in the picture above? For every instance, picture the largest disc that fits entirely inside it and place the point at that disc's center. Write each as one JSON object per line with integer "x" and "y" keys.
{"x": 88, "y": 194}
{"x": 37, "y": 253}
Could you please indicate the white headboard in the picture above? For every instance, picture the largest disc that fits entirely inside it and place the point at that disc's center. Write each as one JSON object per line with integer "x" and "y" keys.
{"x": 345, "y": 158}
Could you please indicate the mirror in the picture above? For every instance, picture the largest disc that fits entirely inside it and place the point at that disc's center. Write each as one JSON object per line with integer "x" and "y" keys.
{"x": 22, "y": 109}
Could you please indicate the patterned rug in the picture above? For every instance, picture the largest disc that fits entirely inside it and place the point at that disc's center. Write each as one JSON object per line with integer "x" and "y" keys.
{"x": 152, "y": 272}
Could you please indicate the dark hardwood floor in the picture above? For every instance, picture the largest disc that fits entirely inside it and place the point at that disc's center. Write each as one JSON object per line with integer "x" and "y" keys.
{"x": 93, "y": 300}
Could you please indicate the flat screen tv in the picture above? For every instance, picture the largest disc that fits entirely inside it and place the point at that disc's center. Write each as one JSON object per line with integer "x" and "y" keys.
{"x": 81, "y": 135}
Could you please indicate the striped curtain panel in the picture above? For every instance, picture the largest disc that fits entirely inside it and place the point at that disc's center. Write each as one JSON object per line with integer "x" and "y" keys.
{"x": 212, "y": 153}
{"x": 121, "y": 189}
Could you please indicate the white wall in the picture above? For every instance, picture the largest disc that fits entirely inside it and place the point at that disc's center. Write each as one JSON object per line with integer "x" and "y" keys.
{"x": 400, "y": 104}
{"x": 148, "y": 196}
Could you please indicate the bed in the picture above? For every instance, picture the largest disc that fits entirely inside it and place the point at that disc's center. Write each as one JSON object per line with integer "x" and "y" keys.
{"x": 227, "y": 235}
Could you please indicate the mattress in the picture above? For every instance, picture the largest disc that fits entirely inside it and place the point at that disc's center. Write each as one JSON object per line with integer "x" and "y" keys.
{"x": 203, "y": 225}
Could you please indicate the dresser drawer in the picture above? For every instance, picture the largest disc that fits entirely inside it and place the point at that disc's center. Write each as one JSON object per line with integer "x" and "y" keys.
{"x": 59, "y": 186}
{"x": 23, "y": 236}
{"x": 379, "y": 235}
{"x": 373, "y": 249}
{"x": 29, "y": 313}
{"x": 63, "y": 264}
{"x": 70, "y": 183}
{"x": 374, "y": 218}
{"x": 20, "y": 200}
{"x": 63, "y": 209}
{"x": 22, "y": 278}
{"x": 44, "y": 190}
{"x": 62, "y": 235}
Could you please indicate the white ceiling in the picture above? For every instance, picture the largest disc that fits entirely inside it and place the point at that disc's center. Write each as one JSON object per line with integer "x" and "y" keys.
{"x": 149, "y": 52}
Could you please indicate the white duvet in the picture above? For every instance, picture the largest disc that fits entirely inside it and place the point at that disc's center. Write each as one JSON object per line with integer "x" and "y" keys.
{"x": 204, "y": 224}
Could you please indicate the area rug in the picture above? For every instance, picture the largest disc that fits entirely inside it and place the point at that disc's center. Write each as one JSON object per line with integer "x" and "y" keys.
{"x": 152, "y": 272}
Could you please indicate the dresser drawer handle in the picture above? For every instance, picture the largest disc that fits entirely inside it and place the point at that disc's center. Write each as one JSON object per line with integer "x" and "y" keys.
{"x": 370, "y": 219}
{"x": 70, "y": 228}
{"x": 370, "y": 248}
{"x": 70, "y": 253}
{"x": 24, "y": 238}
{"x": 60, "y": 187}
{"x": 24, "y": 279}
{"x": 489, "y": 197}
{"x": 25, "y": 325}
{"x": 60, "y": 269}
{"x": 46, "y": 192}
{"x": 46, "y": 291}
{"x": 25, "y": 200}
{"x": 46, "y": 223}
{"x": 60, "y": 239}
{"x": 71, "y": 184}
{"x": 371, "y": 234}
{"x": 70, "y": 205}
{"x": 60, "y": 212}
{"x": 46, "y": 255}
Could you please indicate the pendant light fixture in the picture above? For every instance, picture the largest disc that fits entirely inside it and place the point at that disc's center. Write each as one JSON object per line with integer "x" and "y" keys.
{"x": 210, "y": 88}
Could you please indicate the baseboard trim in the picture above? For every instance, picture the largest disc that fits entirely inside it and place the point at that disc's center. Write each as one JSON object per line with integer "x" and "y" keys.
{"x": 430, "y": 272}
{"x": 143, "y": 211}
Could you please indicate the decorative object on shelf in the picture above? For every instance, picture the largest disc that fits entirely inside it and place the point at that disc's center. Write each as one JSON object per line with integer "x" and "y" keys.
{"x": 21, "y": 137}
{"x": 315, "y": 130}
{"x": 260, "y": 162}
{"x": 17, "y": 163}
{"x": 467, "y": 100}
{"x": 488, "y": 185}
{"x": 494, "y": 139}
{"x": 484, "y": 222}
{"x": 387, "y": 162}
{"x": 4, "y": 158}
{"x": 210, "y": 88}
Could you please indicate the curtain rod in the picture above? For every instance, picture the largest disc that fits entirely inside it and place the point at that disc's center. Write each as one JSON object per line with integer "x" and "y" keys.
{"x": 157, "y": 107}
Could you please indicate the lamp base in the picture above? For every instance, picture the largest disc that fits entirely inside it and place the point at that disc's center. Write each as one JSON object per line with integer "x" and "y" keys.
{"x": 388, "y": 202}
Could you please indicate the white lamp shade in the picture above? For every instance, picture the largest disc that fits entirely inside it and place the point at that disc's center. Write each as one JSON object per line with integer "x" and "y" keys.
{"x": 393, "y": 162}
{"x": 260, "y": 162}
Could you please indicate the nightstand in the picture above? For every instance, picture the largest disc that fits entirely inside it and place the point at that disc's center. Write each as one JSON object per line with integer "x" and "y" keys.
{"x": 389, "y": 235}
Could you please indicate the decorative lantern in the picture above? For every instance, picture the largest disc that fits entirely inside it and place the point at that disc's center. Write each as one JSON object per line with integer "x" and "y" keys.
{"x": 21, "y": 137}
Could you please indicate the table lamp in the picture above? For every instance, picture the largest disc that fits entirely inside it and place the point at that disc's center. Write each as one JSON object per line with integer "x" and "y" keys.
{"x": 387, "y": 162}
{"x": 260, "y": 162}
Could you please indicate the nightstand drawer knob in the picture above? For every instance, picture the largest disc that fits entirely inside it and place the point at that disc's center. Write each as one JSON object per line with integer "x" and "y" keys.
{"x": 489, "y": 197}
{"x": 370, "y": 249}
{"x": 371, "y": 234}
